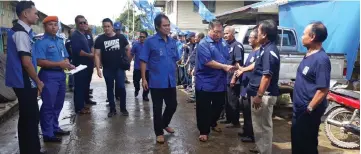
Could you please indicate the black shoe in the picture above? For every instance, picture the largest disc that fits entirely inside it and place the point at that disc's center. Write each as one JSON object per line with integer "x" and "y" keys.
{"x": 107, "y": 100}
{"x": 254, "y": 150}
{"x": 62, "y": 132}
{"x": 90, "y": 96}
{"x": 90, "y": 91}
{"x": 125, "y": 113}
{"x": 112, "y": 113}
{"x": 52, "y": 139}
{"x": 90, "y": 102}
{"x": 247, "y": 139}
{"x": 146, "y": 99}
{"x": 225, "y": 122}
{"x": 126, "y": 81}
{"x": 136, "y": 93}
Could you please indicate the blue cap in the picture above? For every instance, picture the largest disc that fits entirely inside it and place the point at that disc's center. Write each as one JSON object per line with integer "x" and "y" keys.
{"x": 181, "y": 34}
{"x": 117, "y": 26}
{"x": 191, "y": 34}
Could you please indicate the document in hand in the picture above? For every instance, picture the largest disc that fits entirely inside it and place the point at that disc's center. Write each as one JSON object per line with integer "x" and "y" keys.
{"x": 77, "y": 69}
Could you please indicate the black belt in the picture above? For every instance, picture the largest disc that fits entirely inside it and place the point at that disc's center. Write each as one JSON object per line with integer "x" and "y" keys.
{"x": 52, "y": 69}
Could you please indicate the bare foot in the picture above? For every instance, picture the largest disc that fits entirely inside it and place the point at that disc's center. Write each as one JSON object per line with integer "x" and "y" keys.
{"x": 203, "y": 138}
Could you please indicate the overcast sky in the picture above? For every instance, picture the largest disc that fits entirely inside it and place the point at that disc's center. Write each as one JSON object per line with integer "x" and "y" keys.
{"x": 93, "y": 10}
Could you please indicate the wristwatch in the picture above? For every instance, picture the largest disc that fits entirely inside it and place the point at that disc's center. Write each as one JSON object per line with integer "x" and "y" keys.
{"x": 309, "y": 108}
{"x": 259, "y": 95}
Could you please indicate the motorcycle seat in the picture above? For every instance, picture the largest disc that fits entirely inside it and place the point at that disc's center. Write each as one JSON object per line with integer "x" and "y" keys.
{"x": 347, "y": 93}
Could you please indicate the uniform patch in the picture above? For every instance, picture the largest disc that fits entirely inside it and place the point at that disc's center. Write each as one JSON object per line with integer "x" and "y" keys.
{"x": 231, "y": 50}
{"x": 274, "y": 54}
{"x": 305, "y": 70}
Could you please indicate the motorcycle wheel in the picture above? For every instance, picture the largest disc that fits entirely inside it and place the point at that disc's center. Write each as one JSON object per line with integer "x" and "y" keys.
{"x": 338, "y": 135}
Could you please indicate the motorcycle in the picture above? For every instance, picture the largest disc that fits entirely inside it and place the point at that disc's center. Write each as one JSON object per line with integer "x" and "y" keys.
{"x": 342, "y": 125}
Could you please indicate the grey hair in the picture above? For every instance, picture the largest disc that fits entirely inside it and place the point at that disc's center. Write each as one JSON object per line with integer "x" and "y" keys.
{"x": 232, "y": 30}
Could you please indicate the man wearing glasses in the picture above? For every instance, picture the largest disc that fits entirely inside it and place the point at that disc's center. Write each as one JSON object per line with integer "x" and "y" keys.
{"x": 136, "y": 50}
{"x": 82, "y": 55}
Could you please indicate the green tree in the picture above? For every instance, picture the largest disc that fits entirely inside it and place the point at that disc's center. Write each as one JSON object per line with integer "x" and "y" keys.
{"x": 123, "y": 18}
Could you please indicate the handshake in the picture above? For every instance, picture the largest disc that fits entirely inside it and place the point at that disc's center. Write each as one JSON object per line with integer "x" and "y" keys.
{"x": 65, "y": 64}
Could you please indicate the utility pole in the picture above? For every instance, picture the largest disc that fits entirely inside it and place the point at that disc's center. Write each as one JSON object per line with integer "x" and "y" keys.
{"x": 128, "y": 21}
{"x": 133, "y": 21}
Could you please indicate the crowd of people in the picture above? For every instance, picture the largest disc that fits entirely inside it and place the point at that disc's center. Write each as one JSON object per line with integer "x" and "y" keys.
{"x": 213, "y": 67}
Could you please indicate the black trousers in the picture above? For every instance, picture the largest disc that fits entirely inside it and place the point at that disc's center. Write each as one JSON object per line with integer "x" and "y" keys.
{"x": 209, "y": 106}
{"x": 232, "y": 105}
{"x": 247, "y": 116}
{"x": 169, "y": 95}
{"x": 28, "y": 124}
{"x": 304, "y": 131}
{"x": 137, "y": 75}
{"x": 89, "y": 71}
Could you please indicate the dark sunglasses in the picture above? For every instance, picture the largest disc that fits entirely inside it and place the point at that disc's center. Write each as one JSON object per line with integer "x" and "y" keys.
{"x": 141, "y": 36}
{"x": 81, "y": 23}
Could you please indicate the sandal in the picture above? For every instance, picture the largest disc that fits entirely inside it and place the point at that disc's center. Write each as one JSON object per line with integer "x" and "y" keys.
{"x": 160, "y": 139}
{"x": 203, "y": 138}
{"x": 169, "y": 130}
{"x": 217, "y": 129}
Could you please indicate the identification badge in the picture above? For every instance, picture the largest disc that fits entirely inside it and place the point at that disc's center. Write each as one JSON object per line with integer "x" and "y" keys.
{"x": 305, "y": 70}
{"x": 62, "y": 53}
{"x": 88, "y": 37}
{"x": 231, "y": 50}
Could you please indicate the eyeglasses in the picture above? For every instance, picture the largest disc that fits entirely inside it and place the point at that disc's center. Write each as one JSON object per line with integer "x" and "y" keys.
{"x": 83, "y": 23}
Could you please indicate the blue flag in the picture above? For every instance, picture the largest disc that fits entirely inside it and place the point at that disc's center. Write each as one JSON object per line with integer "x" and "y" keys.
{"x": 203, "y": 11}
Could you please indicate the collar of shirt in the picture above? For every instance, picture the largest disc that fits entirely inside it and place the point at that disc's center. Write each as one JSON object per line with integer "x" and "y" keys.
{"x": 46, "y": 35}
{"x": 26, "y": 27}
{"x": 159, "y": 36}
{"x": 266, "y": 44}
{"x": 230, "y": 42}
{"x": 209, "y": 39}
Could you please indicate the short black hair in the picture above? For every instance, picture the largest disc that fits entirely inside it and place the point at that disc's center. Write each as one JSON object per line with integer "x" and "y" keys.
{"x": 78, "y": 17}
{"x": 15, "y": 21}
{"x": 213, "y": 23}
{"x": 107, "y": 20}
{"x": 144, "y": 32}
{"x": 269, "y": 27}
{"x": 319, "y": 30}
{"x": 158, "y": 20}
{"x": 23, "y": 5}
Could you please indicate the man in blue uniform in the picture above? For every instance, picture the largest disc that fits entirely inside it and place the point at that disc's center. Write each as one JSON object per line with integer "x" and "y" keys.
{"x": 82, "y": 55}
{"x": 160, "y": 55}
{"x": 137, "y": 75}
{"x": 263, "y": 86}
{"x": 22, "y": 77}
{"x": 211, "y": 79}
{"x": 310, "y": 91}
{"x": 52, "y": 57}
{"x": 236, "y": 54}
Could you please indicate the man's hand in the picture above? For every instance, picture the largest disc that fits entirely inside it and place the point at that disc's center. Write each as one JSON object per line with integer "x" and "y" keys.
{"x": 40, "y": 86}
{"x": 66, "y": 65}
{"x": 238, "y": 73}
{"x": 99, "y": 74}
{"x": 257, "y": 102}
{"x": 145, "y": 84}
{"x": 233, "y": 82}
{"x": 229, "y": 68}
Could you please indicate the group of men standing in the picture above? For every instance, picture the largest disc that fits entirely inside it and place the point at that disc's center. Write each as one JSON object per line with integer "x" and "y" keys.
{"x": 216, "y": 61}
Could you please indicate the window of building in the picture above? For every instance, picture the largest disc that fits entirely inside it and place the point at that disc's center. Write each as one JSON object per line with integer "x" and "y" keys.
{"x": 210, "y": 5}
{"x": 169, "y": 7}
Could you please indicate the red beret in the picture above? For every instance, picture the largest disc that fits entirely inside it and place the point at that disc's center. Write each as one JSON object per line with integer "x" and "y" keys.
{"x": 50, "y": 18}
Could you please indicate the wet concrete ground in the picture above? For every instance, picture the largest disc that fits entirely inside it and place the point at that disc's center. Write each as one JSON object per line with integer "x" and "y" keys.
{"x": 98, "y": 134}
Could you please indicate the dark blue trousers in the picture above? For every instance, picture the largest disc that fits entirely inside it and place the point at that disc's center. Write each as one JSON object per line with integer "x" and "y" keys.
{"x": 118, "y": 76}
{"x": 304, "y": 131}
{"x": 52, "y": 96}
{"x": 80, "y": 89}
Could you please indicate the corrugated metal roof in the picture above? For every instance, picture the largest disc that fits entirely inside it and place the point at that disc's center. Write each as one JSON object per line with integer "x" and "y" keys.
{"x": 269, "y": 3}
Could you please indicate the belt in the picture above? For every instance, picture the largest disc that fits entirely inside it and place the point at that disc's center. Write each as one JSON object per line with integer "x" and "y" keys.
{"x": 52, "y": 69}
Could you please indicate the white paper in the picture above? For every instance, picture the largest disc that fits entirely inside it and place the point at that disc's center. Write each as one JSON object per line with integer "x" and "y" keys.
{"x": 77, "y": 69}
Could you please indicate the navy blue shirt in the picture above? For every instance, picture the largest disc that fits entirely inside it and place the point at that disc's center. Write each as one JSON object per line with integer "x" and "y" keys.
{"x": 246, "y": 75}
{"x": 161, "y": 58}
{"x": 90, "y": 39}
{"x": 51, "y": 48}
{"x": 236, "y": 54}
{"x": 267, "y": 63}
{"x": 210, "y": 79}
{"x": 313, "y": 74}
{"x": 80, "y": 42}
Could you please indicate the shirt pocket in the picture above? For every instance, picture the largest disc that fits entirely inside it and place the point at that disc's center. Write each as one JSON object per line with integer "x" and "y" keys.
{"x": 51, "y": 52}
{"x": 172, "y": 53}
{"x": 157, "y": 54}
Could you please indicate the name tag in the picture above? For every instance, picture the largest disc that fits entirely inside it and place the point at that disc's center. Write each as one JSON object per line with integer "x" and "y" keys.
{"x": 88, "y": 37}
{"x": 305, "y": 70}
{"x": 252, "y": 59}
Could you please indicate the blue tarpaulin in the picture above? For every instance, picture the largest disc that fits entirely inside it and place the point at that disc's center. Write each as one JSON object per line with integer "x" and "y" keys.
{"x": 342, "y": 19}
